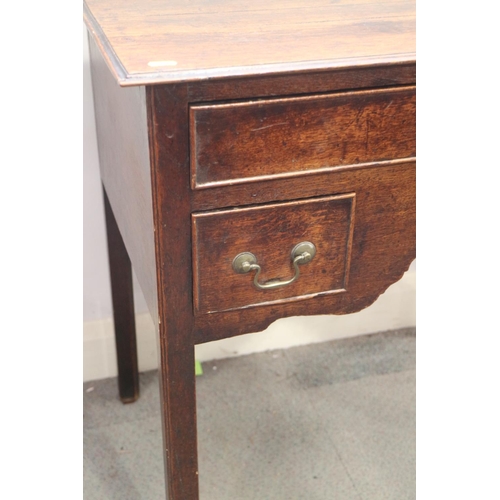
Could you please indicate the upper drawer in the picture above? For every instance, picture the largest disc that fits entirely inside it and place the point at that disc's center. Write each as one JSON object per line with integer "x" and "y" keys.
{"x": 255, "y": 140}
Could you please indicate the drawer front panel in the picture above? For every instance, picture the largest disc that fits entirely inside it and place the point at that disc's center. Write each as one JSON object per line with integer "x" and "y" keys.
{"x": 250, "y": 141}
{"x": 270, "y": 233}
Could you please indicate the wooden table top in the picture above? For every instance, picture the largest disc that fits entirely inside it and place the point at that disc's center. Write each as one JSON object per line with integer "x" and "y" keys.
{"x": 159, "y": 41}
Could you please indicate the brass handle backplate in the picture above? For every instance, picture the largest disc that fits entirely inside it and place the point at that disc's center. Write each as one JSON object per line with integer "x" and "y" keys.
{"x": 301, "y": 254}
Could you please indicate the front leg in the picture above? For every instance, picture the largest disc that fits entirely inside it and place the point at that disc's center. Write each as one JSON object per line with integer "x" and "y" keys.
{"x": 169, "y": 141}
{"x": 178, "y": 405}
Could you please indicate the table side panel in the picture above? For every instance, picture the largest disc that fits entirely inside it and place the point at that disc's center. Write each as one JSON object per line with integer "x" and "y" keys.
{"x": 122, "y": 133}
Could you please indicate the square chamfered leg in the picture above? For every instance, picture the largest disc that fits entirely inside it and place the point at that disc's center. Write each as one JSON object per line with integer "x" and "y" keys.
{"x": 169, "y": 134}
{"x": 123, "y": 309}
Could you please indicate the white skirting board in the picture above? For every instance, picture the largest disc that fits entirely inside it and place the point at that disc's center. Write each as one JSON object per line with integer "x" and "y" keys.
{"x": 394, "y": 309}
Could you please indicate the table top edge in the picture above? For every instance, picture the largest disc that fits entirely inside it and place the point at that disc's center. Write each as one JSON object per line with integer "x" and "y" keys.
{"x": 124, "y": 78}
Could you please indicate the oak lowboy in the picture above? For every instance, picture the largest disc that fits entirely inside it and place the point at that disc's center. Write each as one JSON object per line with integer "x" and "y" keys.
{"x": 246, "y": 186}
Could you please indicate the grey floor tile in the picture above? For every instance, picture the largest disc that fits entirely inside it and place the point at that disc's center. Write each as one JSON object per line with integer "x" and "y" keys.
{"x": 263, "y": 443}
{"x": 319, "y": 422}
{"x": 371, "y": 424}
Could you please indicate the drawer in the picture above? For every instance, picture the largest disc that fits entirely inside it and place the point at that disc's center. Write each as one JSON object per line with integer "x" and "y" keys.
{"x": 257, "y": 140}
{"x": 270, "y": 233}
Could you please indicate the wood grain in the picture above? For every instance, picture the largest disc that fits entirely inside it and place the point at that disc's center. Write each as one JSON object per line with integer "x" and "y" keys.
{"x": 230, "y": 38}
{"x": 270, "y": 232}
{"x": 168, "y": 128}
{"x": 122, "y": 136}
{"x": 244, "y": 141}
{"x": 309, "y": 184}
{"x": 313, "y": 82}
{"x": 383, "y": 247}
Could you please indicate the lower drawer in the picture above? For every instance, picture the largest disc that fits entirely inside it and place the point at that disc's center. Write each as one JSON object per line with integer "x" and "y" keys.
{"x": 252, "y": 256}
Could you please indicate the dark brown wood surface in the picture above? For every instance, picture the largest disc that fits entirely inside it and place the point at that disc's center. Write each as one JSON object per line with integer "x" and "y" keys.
{"x": 122, "y": 136}
{"x": 377, "y": 75}
{"x": 154, "y": 41}
{"x": 168, "y": 128}
{"x": 309, "y": 185}
{"x": 123, "y": 309}
{"x": 383, "y": 246}
{"x": 251, "y": 140}
{"x": 270, "y": 232}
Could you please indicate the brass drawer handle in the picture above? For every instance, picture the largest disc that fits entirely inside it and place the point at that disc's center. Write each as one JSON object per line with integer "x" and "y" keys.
{"x": 301, "y": 254}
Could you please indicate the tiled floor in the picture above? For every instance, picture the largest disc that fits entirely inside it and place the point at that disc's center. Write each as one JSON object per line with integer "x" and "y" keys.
{"x": 325, "y": 421}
